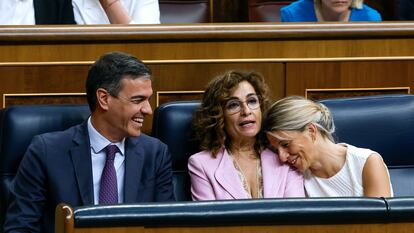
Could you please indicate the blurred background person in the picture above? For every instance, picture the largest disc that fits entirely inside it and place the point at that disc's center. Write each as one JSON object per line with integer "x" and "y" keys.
{"x": 116, "y": 11}
{"x": 300, "y": 132}
{"x": 233, "y": 163}
{"x": 30, "y": 12}
{"x": 328, "y": 10}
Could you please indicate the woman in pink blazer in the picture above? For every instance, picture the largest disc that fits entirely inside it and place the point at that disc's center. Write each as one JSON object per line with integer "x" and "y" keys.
{"x": 234, "y": 164}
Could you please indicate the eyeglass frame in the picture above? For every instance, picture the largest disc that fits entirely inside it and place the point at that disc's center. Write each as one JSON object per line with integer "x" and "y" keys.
{"x": 258, "y": 97}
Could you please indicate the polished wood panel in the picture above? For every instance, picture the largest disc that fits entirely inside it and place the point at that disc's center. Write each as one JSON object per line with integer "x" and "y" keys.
{"x": 47, "y": 98}
{"x": 334, "y": 228}
{"x": 210, "y": 41}
{"x": 47, "y": 78}
{"x": 195, "y": 76}
{"x": 330, "y": 75}
{"x": 283, "y": 50}
{"x": 292, "y": 57}
{"x": 41, "y": 82}
{"x": 34, "y": 83}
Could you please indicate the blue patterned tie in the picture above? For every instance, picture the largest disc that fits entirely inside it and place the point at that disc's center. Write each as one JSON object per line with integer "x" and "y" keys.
{"x": 108, "y": 191}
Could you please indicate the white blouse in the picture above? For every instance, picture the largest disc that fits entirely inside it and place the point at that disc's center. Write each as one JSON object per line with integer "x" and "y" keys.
{"x": 141, "y": 11}
{"x": 17, "y": 12}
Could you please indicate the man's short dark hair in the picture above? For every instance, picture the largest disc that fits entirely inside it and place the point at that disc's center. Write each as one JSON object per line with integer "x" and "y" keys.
{"x": 108, "y": 71}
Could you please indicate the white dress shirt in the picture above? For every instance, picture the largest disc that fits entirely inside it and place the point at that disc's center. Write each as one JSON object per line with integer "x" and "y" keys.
{"x": 98, "y": 144}
{"x": 91, "y": 11}
{"x": 17, "y": 12}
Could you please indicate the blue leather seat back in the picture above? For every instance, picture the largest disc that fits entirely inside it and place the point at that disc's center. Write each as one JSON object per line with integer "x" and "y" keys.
{"x": 385, "y": 124}
{"x": 20, "y": 124}
{"x": 172, "y": 125}
{"x": 400, "y": 209}
{"x": 253, "y": 212}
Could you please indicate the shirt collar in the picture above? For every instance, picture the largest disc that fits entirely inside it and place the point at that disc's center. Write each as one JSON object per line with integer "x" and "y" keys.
{"x": 99, "y": 142}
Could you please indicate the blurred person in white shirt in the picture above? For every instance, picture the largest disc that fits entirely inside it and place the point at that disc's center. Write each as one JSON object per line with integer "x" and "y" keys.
{"x": 30, "y": 12}
{"x": 116, "y": 11}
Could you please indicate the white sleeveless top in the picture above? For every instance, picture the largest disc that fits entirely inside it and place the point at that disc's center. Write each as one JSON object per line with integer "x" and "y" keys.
{"x": 347, "y": 182}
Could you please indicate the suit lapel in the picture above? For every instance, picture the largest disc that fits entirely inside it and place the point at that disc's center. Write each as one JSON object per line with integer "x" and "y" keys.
{"x": 270, "y": 174}
{"x": 82, "y": 163}
{"x": 37, "y": 6}
{"x": 134, "y": 160}
{"x": 46, "y": 11}
{"x": 226, "y": 175}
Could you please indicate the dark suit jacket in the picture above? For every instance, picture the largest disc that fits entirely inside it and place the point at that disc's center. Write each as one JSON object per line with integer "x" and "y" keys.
{"x": 53, "y": 12}
{"x": 57, "y": 168}
{"x": 406, "y": 9}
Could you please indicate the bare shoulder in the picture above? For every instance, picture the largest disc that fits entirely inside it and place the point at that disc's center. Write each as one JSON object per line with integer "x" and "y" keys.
{"x": 374, "y": 160}
{"x": 376, "y": 180}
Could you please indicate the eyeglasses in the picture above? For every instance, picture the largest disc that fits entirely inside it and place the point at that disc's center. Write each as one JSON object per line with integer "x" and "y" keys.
{"x": 234, "y": 106}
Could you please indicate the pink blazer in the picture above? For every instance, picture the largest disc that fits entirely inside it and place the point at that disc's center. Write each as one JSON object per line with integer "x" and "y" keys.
{"x": 216, "y": 178}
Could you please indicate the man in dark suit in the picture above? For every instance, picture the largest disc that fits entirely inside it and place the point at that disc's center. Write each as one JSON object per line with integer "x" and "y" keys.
{"x": 69, "y": 166}
{"x": 30, "y": 12}
{"x": 53, "y": 12}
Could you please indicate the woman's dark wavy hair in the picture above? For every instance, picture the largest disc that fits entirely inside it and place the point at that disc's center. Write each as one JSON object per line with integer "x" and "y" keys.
{"x": 208, "y": 120}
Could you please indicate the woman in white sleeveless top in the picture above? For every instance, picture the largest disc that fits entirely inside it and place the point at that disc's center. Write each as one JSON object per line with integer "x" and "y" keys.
{"x": 116, "y": 11}
{"x": 300, "y": 131}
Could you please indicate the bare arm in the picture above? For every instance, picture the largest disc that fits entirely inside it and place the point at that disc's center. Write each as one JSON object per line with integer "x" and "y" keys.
{"x": 116, "y": 12}
{"x": 375, "y": 177}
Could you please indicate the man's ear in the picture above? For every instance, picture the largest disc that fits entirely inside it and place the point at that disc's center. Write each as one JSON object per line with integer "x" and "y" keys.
{"x": 102, "y": 97}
